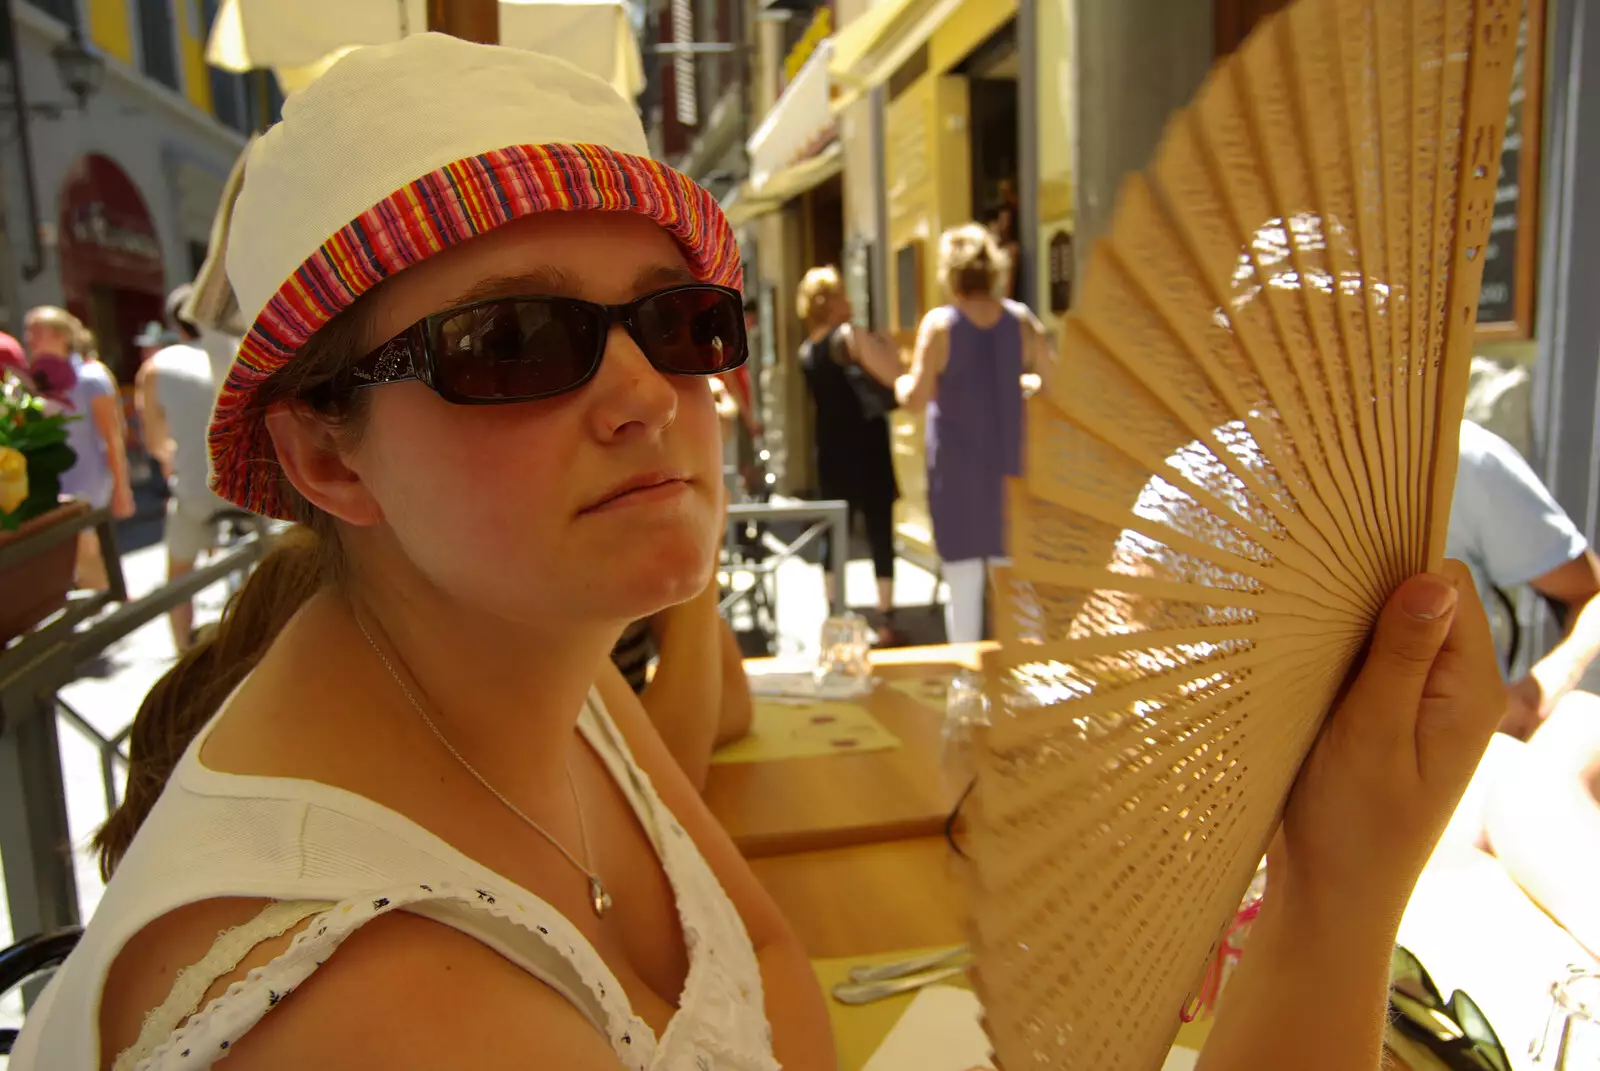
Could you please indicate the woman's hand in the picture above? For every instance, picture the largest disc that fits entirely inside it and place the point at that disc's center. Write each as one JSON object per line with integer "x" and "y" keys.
{"x": 1395, "y": 755}
{"x": 122, "y": 504}
{"x": 1371, "y": 801}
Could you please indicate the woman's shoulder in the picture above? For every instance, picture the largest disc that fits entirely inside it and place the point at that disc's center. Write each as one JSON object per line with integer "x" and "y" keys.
{"x": 392, "y": 997}
{"x": 94, "y": 376}
{"x": 938, "y": 320}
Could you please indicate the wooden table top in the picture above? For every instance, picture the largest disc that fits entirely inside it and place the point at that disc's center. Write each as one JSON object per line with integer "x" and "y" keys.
{"x": 870, "y": 898}
{"x": 804, "y": 805}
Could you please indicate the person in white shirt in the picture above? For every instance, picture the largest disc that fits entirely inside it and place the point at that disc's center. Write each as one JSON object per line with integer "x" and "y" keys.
{"x": 1510, "y": 531}
{"x": 175, "y": 391}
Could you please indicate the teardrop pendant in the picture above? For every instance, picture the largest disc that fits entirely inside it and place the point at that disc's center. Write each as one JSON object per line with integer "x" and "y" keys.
{"x": 598, "y": 897}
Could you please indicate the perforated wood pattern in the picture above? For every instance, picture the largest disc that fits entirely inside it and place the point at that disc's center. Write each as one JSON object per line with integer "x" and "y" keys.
{"x": 1247, "y": 441}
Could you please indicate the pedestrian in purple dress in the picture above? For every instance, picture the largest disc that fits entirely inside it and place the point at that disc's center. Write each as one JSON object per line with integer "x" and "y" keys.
{"x": 967, "y": 370}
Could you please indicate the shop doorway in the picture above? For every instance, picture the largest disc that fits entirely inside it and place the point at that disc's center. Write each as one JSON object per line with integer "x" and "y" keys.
{"x": 824, "y": 225}
{"x": 112, "y": 274}
{"x": 995, "y": 124}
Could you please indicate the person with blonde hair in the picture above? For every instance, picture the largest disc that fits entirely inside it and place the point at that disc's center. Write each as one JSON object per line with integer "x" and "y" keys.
{"x": 967, "y": 371}
{"x": 846, "y": 368}
{"x": 100, "y": 474}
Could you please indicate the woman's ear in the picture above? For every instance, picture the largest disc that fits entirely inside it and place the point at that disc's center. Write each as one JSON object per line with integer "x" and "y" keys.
{"x": 313, "y": 456}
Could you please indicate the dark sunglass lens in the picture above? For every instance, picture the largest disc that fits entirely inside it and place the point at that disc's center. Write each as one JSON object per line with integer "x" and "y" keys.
{"x": 692, "y": 331}
{"x": 1477, "y": 1027}
{"x": 517, "y": 349}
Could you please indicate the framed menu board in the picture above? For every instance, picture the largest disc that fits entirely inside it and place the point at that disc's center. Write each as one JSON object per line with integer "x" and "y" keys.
{"x": 1505, "y": 304}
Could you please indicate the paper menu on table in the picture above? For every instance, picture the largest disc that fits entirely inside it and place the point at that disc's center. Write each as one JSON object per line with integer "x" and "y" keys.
{"x": 942, "y": 1031}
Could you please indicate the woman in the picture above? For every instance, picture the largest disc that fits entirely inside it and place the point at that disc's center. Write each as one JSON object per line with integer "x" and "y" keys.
{"x": 431, "y": 826}
{"x": 967, "y": 371}
{"x": 100, "y": 475}
{"x": 852, "y": 444}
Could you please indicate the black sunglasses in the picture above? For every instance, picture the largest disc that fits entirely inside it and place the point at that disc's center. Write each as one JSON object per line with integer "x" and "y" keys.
{"x": 517, "y": 349}
{"x": 1455, "y": 1031}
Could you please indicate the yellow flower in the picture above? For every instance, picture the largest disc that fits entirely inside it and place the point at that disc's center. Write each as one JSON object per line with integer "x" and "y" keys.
{"x": 13, "y": 479}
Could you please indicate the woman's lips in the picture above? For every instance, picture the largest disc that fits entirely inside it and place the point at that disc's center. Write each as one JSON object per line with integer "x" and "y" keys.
{"x": 649, "y": 489}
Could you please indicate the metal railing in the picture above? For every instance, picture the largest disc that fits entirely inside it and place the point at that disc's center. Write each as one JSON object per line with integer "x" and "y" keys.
{"x": 35, "y": 840}
{"x": 831, "y": 514}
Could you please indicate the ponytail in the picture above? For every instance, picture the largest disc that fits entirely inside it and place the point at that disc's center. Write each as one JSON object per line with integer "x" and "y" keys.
{"x": 301, "y": 562}
{"x": 192, "y": 692}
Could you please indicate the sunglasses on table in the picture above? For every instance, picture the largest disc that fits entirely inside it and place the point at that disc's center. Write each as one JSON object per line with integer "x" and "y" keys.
{"x": 1455, "y": 1031}
{"x": 519, "y": 349}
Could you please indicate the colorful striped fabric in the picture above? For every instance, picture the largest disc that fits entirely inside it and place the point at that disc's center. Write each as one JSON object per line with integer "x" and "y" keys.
{"x": 439, "y": 210}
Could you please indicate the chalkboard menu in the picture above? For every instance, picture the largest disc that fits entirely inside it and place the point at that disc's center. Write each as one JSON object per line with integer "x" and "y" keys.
{"x": 1505, "y": 304}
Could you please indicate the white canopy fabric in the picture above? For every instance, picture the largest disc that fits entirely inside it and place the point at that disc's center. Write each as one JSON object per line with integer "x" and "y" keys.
{"x": 300, "y": 39}
{"x": 799, "y": 124}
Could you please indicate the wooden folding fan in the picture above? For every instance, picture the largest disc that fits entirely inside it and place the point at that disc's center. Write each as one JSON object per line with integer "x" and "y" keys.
{"x": 1249, "y": 439}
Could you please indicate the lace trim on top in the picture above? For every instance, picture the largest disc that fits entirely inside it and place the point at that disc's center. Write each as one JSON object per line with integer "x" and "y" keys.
{"x": 720, "y": 1022}
{"x": 226, "y": 952}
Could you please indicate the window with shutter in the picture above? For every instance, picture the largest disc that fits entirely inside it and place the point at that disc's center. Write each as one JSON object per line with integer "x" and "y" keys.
{"x": 158, "y": 42}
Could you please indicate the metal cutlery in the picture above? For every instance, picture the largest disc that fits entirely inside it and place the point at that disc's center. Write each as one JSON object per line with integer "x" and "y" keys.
{"x": 900, "y": 968}
{"x": 867, "y": 992}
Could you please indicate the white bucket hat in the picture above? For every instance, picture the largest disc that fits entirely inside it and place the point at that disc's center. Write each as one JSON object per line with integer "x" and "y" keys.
{"x": 401, "y": 151}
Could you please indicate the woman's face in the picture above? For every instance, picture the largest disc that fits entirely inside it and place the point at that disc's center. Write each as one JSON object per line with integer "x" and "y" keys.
{"x": 44, "y": 340}
{"x": 840, "y": 310}
{"x": 522, "y": 510}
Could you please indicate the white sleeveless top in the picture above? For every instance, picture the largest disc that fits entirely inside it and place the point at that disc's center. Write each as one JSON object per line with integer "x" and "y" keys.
{"x": 347, "y": 860}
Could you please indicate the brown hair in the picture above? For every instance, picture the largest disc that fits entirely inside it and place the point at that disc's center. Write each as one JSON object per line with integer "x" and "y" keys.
{"x": 970, "y": 261}
{"x": 300, "y": 563}
{"x": 79, "y": 339}
{"x": 817, "y": 288}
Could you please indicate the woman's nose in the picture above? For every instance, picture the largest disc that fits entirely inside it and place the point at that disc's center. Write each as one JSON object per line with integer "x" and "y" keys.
{"x": 629, "y": 395}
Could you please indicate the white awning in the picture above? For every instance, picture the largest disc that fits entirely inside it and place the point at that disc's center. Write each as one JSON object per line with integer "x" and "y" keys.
{"x": 750, "y": 203}
{"x": 799, "y": 125}
{"x": 300, "y": 39}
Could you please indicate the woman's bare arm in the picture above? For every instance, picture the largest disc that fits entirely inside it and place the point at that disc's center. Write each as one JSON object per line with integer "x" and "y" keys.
{"x": 873, "y": 352}
{"x": 919, "y": 387}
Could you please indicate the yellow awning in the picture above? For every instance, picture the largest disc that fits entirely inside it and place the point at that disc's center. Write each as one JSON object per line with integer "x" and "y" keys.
{"x": 752, "y": 202}
{"x": 870, "y": 48}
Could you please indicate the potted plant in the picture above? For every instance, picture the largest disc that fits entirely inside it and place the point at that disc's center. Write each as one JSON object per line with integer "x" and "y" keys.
{"x": 33, "y": 455}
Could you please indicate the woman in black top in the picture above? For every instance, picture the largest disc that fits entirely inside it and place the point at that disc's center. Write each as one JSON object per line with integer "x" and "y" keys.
{"x": 852, "y": 447}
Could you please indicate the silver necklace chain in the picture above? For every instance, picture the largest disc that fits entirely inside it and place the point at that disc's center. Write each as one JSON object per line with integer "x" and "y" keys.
{"x": 599, "y": 897}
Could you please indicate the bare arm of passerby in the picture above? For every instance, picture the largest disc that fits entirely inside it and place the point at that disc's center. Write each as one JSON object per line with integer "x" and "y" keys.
{"x": 153, "y": 418}
{"x": 1535, "y": 696}
{"x": 918, "y": 387}
{"x": 105, "y": 410}
{"x": 874, "y": 352}
{"x": 1037, "y": 353}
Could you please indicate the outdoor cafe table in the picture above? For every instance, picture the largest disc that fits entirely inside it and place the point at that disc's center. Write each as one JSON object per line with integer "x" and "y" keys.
{"x": 812, "y": 804}
{"x": 886, "y": 901}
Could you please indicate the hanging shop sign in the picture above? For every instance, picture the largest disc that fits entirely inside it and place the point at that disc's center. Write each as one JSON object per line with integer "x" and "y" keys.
{"x": 105, "y": 233}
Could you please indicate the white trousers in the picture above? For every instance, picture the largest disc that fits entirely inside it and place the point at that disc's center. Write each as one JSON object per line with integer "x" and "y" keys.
{"x": 963, "y": 610}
